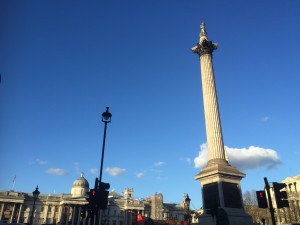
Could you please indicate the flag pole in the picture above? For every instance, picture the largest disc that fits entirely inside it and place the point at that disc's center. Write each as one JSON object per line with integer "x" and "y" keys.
{"x": 14, "y": 181}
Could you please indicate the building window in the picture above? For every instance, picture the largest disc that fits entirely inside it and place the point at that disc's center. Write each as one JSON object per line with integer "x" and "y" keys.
{"x": 114, "y": 222}
{"x": 115, "y": 212}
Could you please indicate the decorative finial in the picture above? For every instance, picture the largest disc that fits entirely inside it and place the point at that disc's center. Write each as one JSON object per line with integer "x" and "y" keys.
{"x": 81, "y": 174}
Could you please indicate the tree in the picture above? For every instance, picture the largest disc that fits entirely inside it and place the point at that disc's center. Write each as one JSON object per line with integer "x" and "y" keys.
{"x": 251, "y": 207}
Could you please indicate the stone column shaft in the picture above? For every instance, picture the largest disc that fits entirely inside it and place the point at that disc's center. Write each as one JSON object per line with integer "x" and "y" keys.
{"x": 20, "y": 212}
{"x": 46, "y": 213}
{"x": 78, "y": 216}
{"x": 2, "y": 210}
{"x": 12, "y": 213}
{"x": 211, "y": 110}
{"x": 73, "y": 214}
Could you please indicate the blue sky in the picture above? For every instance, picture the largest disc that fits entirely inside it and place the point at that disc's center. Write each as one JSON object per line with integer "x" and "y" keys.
{"x": 63, "y": 62}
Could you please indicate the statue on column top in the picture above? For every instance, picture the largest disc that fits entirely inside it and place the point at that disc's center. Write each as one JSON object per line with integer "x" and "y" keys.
{"x": 203, "y": 30}
{"x": 203, "y": 33}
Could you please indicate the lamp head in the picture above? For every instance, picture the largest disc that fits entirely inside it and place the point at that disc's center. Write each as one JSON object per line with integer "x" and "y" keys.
{"x": 36, "y": 192}
{"x": 106, "y": 116}
{"x": 187, "y": 200}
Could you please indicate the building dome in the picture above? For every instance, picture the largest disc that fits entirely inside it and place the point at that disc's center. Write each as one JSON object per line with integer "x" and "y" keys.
{"x": 80, "y": 187}
{"x": 81, "y": 182}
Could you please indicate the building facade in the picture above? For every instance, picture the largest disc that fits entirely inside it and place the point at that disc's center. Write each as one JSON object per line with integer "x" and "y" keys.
{"x": 289, "y": 214}
{"x": 70, "y": 209}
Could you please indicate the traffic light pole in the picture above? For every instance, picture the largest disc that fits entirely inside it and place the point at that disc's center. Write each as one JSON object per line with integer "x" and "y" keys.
{"x": 267, "y": 186}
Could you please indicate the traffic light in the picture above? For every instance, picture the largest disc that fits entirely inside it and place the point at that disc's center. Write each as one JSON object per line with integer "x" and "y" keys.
{"x": 92, "y": 197}
{"x": 262, "y": 199}
{"x": 102, "y": 195}
{"x": 280, "y": 196}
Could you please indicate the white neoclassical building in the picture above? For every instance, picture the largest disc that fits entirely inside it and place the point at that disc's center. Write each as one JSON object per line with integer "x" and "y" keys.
{"x": 70, "y": 209}
{"x": 291, "y": 214}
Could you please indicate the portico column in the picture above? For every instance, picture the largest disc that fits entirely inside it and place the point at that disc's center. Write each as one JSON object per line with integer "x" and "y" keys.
{"x": 2, "y": 210}
{"x": 130, "y": 218}
{"x": 61, "y": 209}
{"x": 68, "y": 214}
{"x": 20, "y": 212}
{"x": 78, "y": 216}
{"x": 73, "y": 214}
{"x": 46, "y": 213}
{"x": 125, "y": 216}
{"x": 12, "y": 213}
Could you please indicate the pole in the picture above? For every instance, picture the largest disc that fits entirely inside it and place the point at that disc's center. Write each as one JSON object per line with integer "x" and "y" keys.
{"x": 267, "y": 186}
{"x": 33, "y": 208}
{"x": 102, "y": 156}
{"x": 189, "y": 222}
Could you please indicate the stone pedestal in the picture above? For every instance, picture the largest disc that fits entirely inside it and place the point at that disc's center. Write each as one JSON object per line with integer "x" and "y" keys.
{"x": 221, "y": 195}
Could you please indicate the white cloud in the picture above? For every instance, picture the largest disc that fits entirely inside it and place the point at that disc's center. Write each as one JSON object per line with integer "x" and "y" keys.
{"x": 265, "y": 119}
{"x": 160, "y": 163}
{"x": 202, "y": 158}
{"x": 187, "y": 160}
{"x": 115, "y": 171}
{"x": 76, "y": 166}
{"x": 93, "y": 171}
{"x": 140, "y": 175}
{"x": 161, "y": 178}
{"x": 41, "y": 162}
{"x": 57, "y": 171}
{"x": 244, "y": 158}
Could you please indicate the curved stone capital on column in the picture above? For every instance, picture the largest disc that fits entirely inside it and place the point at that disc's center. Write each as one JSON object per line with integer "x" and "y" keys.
{"x": 206, "y": 47}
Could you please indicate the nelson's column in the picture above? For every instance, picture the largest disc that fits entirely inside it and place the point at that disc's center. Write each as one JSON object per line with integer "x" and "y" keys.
{"x": 220, "y": 182}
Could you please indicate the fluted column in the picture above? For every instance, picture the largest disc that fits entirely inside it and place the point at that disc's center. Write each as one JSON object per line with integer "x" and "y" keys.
{"x": 73, "y": 214}
{"x": 46, "y": 213}
{"x": 2, "y": 210}
{"x": 20, "y": 212}
{"x": 11, "y": 220}
{"x": 78, "y": 216}
{"x": 61, "y": 211}
{"x": 68, "y": 214}
{"x": 211, "y": 109}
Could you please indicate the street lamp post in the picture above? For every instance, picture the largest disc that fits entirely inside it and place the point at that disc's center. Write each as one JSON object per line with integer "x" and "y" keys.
{"x": 99, "y": 186}
{"x": 188, "y": 202}
{"x": 106, "y": 118}
{"x": 35, "y": 196}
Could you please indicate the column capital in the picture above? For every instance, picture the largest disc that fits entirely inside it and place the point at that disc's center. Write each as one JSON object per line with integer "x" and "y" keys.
{"x": 206, "y": 47}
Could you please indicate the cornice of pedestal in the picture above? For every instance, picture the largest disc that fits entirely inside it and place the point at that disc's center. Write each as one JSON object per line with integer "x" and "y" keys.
{"x": 219, "y": 168}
